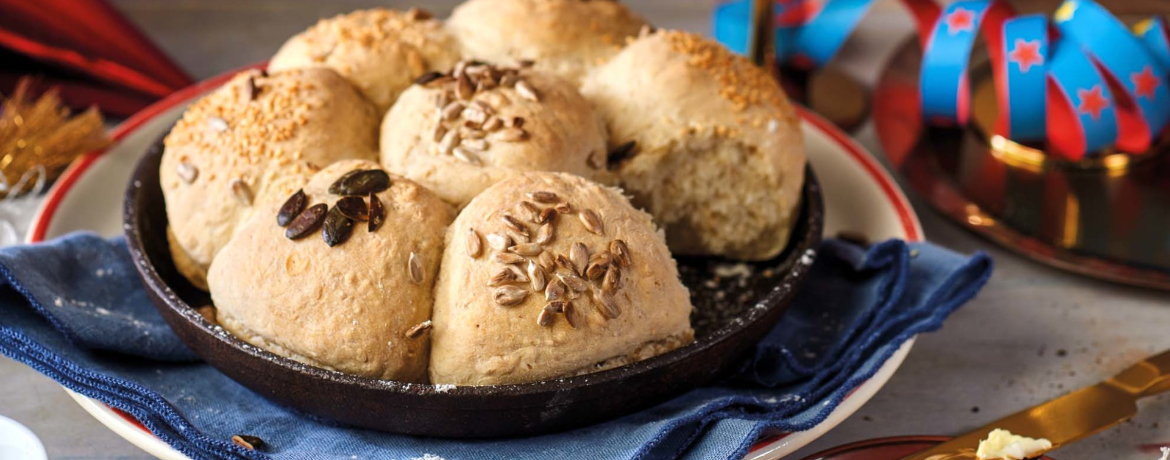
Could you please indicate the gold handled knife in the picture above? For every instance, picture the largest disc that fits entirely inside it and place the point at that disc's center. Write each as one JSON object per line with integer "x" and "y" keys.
{"x": 1071, "y": 417}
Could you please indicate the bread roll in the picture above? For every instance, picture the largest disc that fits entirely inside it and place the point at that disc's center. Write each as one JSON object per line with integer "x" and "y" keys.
{"x": 460, "y": 135}
{"x": 565, "y": 37}
{"x": 379, "y": 50}
{"x": 235, "y": 145}
{"x": 360, "y": 306}
{"x": 592, "y": 288}
{"x": 705, "y": 141}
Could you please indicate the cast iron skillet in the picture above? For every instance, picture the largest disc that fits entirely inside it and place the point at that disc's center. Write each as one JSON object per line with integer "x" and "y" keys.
{"x": 726, "y": 325}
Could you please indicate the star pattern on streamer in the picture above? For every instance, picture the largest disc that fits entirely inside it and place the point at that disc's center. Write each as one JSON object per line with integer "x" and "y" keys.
{"x": 960, "y": 20}
{"x": 1092, "y": 101}
{"x": 1026, "y": 54}
{"x": 1145, "y": 83}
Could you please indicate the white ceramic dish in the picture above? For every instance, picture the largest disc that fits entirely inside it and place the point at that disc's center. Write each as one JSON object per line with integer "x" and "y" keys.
{"x": 860, "y": 197}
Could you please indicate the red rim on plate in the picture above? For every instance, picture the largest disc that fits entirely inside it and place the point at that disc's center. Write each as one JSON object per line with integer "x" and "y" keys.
{"x": 906, "y": 215}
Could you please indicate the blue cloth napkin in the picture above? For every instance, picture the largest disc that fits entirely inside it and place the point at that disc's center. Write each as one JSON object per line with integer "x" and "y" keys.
{"x": 74, "y": 309}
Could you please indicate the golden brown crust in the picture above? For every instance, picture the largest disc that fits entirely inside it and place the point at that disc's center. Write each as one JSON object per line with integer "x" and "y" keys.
{"x": 565, "y": 37}
{"x": 346, "y": 307}
{"x": 231, "y": 151}
{"x": 558, "y": 131}
{"x": 379, "y": 50}
{"x": 719, "y": 157}
{"x": 481, "y": 338}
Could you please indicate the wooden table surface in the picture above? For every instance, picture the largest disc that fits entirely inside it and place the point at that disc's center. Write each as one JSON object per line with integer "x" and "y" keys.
{"x": 1032, "y": 334}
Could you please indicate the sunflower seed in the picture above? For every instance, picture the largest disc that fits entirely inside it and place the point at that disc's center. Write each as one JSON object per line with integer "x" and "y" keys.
{"x": 337, "y": 228}
{"x": 555, "y": 290}
{"x": 572, "y": 315}
{"x": 493, "y": 123}
{"x": 427, "y": 78}
{"x": 475, "y": 144}
{"x": 248, "y": 442}
{"x": 242, "y": 192}
{"x": 441, "y": 99}
{"x": 613, "y": 279}
{"x": 543, "y": 196}
{"x": 564, "y": 208}
{"x": 509, "y": 295}
{"x": 474, "y": 114}
{"x": 646, "y": 30}
{"x": 459, "y": 68}
{"x": 187, "y": 171}
{"x": 528, "y": 211}
{"x": 591, "y": 221}
{"x": 546, "y": 261}
{"x": 472, "y": 133}
{"x": 418, "y": 329}
{"x": 544, "y": 234}
{"x": 536, "y": 275}
{"x": 517, "y": 122}
{"x": 511, "y": 134}
{"x": 361, "y": 182}
{"x": 414, "y": 268}
{"x": 448, "y": 142}
{"x": 463, "y": 87}
{"x": 377, "y": 213}
{"x": 291, "y": 208}
{"x": 564, "y": 263}
{"x": 474, "y": 244}
{"x": 510, "y": 274}
{"x": 508, "y": 258}
{"x": 555, "y": 307}
{"x": 579, "y": 255}
{"x": 499, "y": 241}
{"x": 438, "y": 133}
{"x": 217, "y": 124}
{"x": 353, "y": 207}
{"x": 466, "y": 155}
{"x": 546, "y": 317}
{"x": 621, "y": 253}
{"x": 598, "y": 160}
{"x": 526, "y": 91}
{"x": 515, "y": 224}
{"x": 527, "y": 249}
{"x": 306, "y": 222}
{"x": 547, "y": 216}
{"x": 509, "y": 78}
{"x": 595, "y": 270}
{"x": 622, "y": 152}
{"x": 525, "y": 63}
{"x": 607, "y": 305}
{"x": 452, "y": 110}
{"x": 573, "y": 281}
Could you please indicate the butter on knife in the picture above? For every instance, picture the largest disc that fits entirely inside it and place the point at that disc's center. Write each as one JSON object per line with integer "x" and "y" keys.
{"x": 1004, "y": 445}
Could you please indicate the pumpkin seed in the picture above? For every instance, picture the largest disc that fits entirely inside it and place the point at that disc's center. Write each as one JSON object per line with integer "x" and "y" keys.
{"x": 361, "y": 182}
{"x": 377, "y": 213}
{"x": 291, "y": 208}
{"x": 353, "y": 207}
{"x": 337, "y": 228}
{"x": 306, "y": 222}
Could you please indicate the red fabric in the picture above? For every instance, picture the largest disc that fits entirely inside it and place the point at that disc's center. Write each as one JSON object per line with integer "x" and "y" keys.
{"x": 94, "y": 53}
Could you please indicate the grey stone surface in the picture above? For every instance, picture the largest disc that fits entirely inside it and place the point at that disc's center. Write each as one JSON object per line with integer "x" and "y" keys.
{"x": 1032, "y": 334}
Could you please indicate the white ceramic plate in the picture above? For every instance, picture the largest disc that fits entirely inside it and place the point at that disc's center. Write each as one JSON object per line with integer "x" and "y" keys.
{"x": 859, "y": 197}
